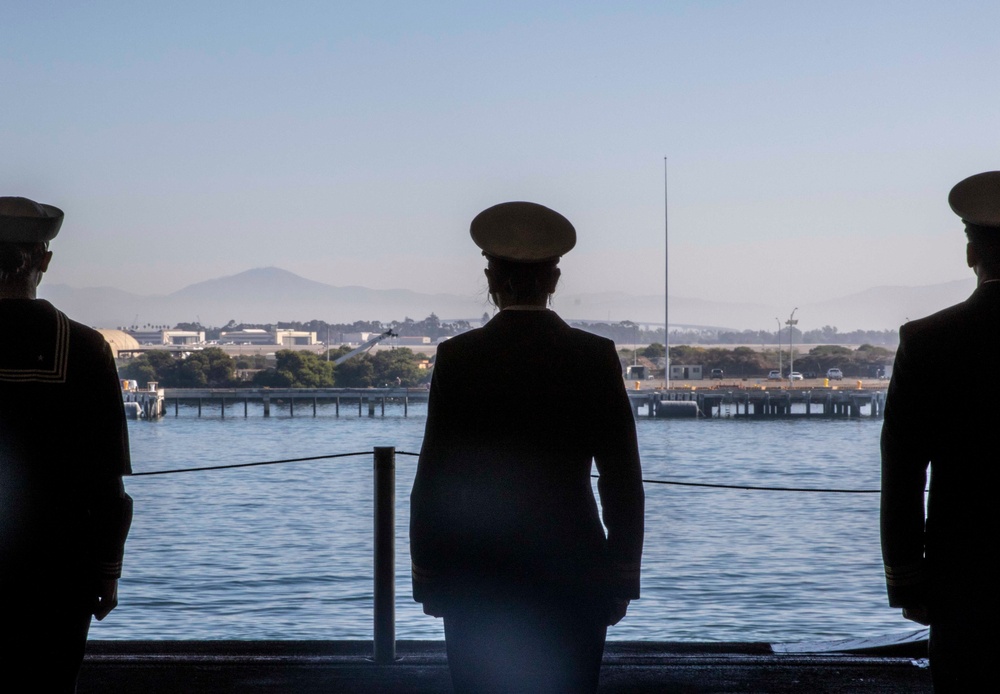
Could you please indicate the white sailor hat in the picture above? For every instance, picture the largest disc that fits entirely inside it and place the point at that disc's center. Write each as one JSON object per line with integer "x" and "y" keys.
{"x": 977, "y": 200}
{"x": 524, "y": 232}
{"x": 27, "y": 221}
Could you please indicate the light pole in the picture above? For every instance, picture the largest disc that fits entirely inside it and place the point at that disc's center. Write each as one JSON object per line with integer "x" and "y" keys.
{"x": 635, "y": 344}
{"x": 791, "y": 355}
{"x": 778, "y": 321}
{"x": 666, "y": 285}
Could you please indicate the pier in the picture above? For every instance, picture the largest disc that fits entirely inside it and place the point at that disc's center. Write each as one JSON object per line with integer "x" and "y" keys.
{"x": 703, "y": 403}
{"x": 760, "y": 403}
{"x": 296, "y": 401}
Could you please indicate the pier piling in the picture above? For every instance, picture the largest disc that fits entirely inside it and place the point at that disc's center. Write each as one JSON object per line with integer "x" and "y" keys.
{"x": 384, "y": 641}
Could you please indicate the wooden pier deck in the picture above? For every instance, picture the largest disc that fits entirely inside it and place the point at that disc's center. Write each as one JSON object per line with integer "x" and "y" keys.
{"x": 296, "y": 401}
{"x": 760, "y": 403}
{"x": 706, "y": 403}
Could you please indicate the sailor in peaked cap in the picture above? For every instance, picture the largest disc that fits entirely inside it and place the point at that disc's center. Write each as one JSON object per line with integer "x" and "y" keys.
{"x": 936, "y": 553}
{"x": 523, "y": 242}
{"x": 976, "y": 200}
{"x": 505, "y": 537}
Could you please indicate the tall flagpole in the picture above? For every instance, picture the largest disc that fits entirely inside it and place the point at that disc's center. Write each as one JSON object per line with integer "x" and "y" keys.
{"x": 666, "y": 284}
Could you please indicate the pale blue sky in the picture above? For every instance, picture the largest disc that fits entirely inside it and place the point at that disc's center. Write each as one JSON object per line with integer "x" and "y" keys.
{"x": 812, "y": 144}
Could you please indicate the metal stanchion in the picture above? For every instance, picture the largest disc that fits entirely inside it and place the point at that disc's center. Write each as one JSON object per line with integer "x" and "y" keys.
{"x": 385, "y": 555}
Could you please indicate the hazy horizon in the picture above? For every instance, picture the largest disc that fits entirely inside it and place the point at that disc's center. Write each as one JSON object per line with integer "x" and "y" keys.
{"x": 811, "y": 147}
{"x": 270, "y": 294}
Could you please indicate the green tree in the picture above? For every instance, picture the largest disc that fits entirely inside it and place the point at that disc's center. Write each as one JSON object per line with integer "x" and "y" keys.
{"x": 155, "y": 365}
{"x": 218, "y": 367}
{"x": 251, "y": 361}
{"x": 140, "y": 371}
{"x": 356, "y": 372}
{"x": 654, "y": 351}
{"x": 297, "y": 370}
{"x": 397, "y": 367}
{"x": 208, "y": 368}
{"x": 686, "y": 354}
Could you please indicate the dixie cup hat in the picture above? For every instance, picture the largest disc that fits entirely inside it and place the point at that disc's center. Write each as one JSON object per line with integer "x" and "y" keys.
{"x": 26, "y": 221}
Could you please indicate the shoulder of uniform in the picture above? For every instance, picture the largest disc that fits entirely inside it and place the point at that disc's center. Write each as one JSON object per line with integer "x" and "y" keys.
{"x": 594, "y": 341}
{"x": 945, "y": 319}
{"x": 458, "y": 340}
{"x": 86, "y": 335}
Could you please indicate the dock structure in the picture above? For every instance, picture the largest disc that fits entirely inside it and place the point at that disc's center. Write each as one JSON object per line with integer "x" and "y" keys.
{"x": 704, "y": 403}
{"x": 143, "y": 404}
{"x": 760, "y": 403}
{"x": 297, "y": 401}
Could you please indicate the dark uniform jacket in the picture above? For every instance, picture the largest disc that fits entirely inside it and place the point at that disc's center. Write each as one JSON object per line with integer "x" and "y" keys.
{"x": 64, "y": 513}
{"x": 502, "y": 499}
{"x": 942, "y": 410}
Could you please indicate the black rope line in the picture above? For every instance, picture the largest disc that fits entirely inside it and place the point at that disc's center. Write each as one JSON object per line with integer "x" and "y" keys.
{"x": 760, "y": 489}
{"x": 705, "y": 485}
{"x": 256, "y": 464}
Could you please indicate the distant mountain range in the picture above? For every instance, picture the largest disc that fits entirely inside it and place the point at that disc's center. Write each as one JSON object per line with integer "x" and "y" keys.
{"x": 271, "y": 294}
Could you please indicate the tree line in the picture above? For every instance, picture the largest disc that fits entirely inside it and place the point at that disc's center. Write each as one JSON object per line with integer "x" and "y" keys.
{"x": 213, "y": 368}
{"x": 745, "y": 362}
{"x": 826, "y": 335}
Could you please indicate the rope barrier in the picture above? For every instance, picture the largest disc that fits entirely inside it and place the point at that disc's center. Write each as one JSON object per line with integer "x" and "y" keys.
{"x": 256, "y": 464}
{"x": 760, "y": 489}
{"x": 705, "y": 485}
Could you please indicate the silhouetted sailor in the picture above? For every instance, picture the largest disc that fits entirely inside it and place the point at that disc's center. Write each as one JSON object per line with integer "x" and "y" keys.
{"x": 64, "y": 513}
{"x": 506, "y": 540}
{"x": 939, "y": 565}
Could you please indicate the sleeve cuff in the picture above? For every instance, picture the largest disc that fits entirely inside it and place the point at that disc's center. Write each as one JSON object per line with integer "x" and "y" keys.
{"x": 109, "y": 569}
{"x": 906, "y": 583}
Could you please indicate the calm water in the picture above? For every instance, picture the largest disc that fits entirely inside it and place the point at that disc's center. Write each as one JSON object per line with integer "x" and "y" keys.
{"x": 284, "y": 552}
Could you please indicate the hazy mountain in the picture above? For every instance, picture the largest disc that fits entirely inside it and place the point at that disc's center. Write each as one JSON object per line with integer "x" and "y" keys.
{"x": 256, "y": 296}
{"x": 888, "y": 307}
{"x": 684, "y": 311}
{"x": 271, "y": 294}
{"x": 878, "y": 308}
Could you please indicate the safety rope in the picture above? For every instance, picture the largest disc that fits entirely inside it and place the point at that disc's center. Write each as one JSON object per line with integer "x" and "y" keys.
{"x": 677, "y": 483}
{"x": 255, "y": 464}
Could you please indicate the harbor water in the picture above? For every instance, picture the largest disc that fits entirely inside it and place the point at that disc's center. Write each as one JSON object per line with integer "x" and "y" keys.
{"x": 285, "y": 551}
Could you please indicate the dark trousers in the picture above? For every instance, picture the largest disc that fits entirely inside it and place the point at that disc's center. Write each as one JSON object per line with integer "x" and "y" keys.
{"x": 542, "y": 644}
{"x": 46, "y": 639}
{"x": 962, "y": 652}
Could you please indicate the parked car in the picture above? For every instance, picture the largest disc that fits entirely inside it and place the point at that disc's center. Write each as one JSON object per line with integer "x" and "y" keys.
{"x": 835, "y": 374}
{"x": 716, "y": 373}
{"x": 795, "y": 376}
{"x": 774, "y": 375}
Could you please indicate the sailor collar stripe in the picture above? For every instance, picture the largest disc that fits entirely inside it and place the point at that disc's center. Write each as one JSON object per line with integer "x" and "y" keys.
{"x": 53, "y": 364}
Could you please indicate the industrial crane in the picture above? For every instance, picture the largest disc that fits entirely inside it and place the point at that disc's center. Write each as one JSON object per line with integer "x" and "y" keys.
{"x": 365, "y": 347}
